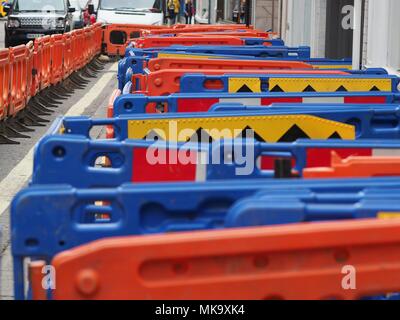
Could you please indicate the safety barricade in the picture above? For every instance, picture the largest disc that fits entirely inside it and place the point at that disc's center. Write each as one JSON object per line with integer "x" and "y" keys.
{"x": 243, "y": 259}
{"x": 72, "y": 160}
{"x": 44, "y": 62}
{"x": 19, "y": 75}
{"x": 193, "y": 102}
{"x": 265, "y": 126}
{"x": 115, "y": 36}
{"x": 130, "y": 211}
{"x": 57, "y": 59}
{"x": 78, "y": 40}
{"x": 68, "y": 64}
{"x": 170, "y": 81}
{"x": 248, "y": 51}
{"x": 127, "y": 67}
{"x": 288, "y": 83}
{"x": 5, "y": 79}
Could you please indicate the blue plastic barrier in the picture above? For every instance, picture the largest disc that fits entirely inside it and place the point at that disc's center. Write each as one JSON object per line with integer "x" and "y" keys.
{"x": 129, "y": 210}
{"x": 193, "y": 102}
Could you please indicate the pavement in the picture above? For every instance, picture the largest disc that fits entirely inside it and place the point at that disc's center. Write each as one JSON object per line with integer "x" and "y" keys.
{"x": 16, "y": 161}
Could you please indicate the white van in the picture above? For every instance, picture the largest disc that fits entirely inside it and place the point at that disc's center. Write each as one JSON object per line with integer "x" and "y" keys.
{"x": 130, "y": 12}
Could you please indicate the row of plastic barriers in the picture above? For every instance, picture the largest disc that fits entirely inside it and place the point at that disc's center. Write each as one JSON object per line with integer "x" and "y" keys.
{"x": 35, "y": 77}
{"x": 234, "y": 170}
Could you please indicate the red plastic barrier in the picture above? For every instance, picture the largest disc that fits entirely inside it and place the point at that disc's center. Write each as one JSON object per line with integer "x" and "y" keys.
{"x": 57, "y": 57}
{"x": 116, "y": 36}
{"x": 43, "y": 63}
{"x": 5, "y": 79}
{"x": 19, "y": 78}
{"x": 356, "y": 167}
{"x": 68, "y": 66}
{"x": 158, "y": 42}
{"x": 165, "y": 82}
{"x": 210, "y": 64}
{"x": 77, "y": 42}
{"x": 295, "y": 262}
{"x": 31, "y": 80}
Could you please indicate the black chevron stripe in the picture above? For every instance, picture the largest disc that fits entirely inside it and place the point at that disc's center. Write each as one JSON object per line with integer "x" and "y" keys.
{"x": 293, "y": 134}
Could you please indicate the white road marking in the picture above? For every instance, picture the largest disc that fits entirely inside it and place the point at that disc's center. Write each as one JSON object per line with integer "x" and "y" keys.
{"x": 22, "y": 172}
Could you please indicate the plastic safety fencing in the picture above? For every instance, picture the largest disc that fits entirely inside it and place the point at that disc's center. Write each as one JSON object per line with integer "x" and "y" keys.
{"x": 300, "y": 53}
{"x": 208, "y": 83}
{"x": 29, "y": 71}
{"x": 115, "y": 37}
{"x": 192, "y": 102}
{"x": 170, "y": 81}
{"x": 129, "y": 66}
{"x": 88, "y": 215}
{"x": 190, "y": 259}
{"x": 74, "y": 160}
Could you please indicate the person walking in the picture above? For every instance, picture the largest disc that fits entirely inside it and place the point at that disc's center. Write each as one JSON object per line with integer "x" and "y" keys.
{"x": 173, "y": 10}
{"x": 189, "y": 11}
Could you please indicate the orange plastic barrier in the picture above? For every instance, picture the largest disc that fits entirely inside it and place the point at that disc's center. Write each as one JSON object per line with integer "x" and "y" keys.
{"x": 198, "y": 64}
{"x": 19, "y": 75}
{"x": 179, "y": 29}
{"x": 303, "y": 262}
{"x": 165, "y": 82}
{"x": 57, "y": 57}
{"x": 31, "y": 81}
{"x": 43, "y": 63}
{"x": 68, "y": 66}
{"x": 110, "y": 112}
{"x": 98, "y": 37}
{"x": 115, "y": 36}
{"x": 5, "y": 78}
{"x": 246, "y": 33}
{"x": 356, "y": 167}
{"x": 157, "y": 42}
{"x": 78, "y": 38}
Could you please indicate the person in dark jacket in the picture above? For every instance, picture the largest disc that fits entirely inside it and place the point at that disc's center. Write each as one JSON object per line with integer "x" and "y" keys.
{"x": 189, "y": 11}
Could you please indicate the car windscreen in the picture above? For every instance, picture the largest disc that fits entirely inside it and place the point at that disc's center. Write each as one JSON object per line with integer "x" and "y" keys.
{"x": 39, "y": 5}
{"x": 129, "y": 4}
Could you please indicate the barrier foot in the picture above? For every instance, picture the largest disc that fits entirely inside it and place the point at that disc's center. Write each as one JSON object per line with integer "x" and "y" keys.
{"x": 77, "y": 78}
{"x": 59, "y": 91}
{"x": 5, "y": 140}
{"x": 38, "y": 111}
{"x": 66, "y": 87}
{"x": 70, "y": 86}
{"x": 87, "y": 74}
{"x": 74, "y": 83}
{"x": 49, "y": 103}
{"x": 40, "y": 106}
{"x": 34, "y": 117}
{"x": 12, "y": 132}
{"x": 30, "y": 122}
{"x": 13, "y": 122}
{"x": 96, "y": 66}
{"x": 99, "y": 61}
{"x": 52, "y": 97}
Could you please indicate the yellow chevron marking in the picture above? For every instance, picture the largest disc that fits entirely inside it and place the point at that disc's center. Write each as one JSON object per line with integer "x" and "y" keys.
{"x": 388, "y": 215}
{"x": 269, "y": 128}
{"x": 330, "y": 84}
{"x": 235, "y": 84}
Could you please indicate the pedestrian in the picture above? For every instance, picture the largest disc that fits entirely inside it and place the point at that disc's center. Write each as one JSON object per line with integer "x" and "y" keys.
{"x": 242, "y": 11}
{"x": 189, "y": 11}
{"x": 173, "y": 10}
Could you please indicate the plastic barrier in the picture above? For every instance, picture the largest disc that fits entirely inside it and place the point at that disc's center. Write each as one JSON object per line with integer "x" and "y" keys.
{"x": 169, "y": 81}
{"x": 246, "y": 260}
{"x": 193, "y": 102}
{"x": 138, "y": 65}
{"x": 57, "y": 59}
{"x": 44, "y": 62}
{"x": 153, "y": 42}
{"x": 249, "y": 51}
{"x": 19, "y": 75}
{"x": 357, "y": 167}
{"x": 205, "y": 206}
{"x": 68, "y": 65}
{"x": 78, "y": 39}
{"x": 116, "y": 35}
{"x": 5, "y": 79}
{"x": 72, "y": 160}
{"x": 287, "y": 83}
{"x": 263, "y": 126}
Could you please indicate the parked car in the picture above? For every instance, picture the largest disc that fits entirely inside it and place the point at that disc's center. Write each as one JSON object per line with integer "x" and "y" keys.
{"x": 29, "y": 19}
{"x": 81, "y": 16}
